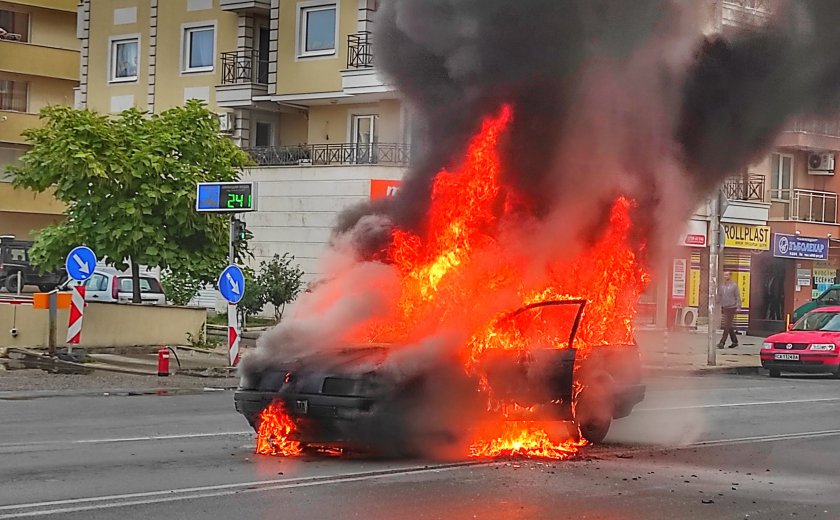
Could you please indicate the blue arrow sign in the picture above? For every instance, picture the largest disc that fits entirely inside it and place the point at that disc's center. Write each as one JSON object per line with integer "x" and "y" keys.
{"x": 80, "y": 263}
{"x": 232, "y": 283}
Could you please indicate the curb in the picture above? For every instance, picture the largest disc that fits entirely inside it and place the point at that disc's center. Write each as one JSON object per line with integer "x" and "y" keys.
{"x": 705, "y": 371}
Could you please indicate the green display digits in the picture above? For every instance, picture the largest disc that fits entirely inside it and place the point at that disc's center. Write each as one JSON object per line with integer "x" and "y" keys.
{"x": 237, "y": 200}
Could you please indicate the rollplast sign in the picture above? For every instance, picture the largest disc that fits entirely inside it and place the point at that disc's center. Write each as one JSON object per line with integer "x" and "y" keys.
{"x": 744, "y": 236}
{"x": 795, "y": 246}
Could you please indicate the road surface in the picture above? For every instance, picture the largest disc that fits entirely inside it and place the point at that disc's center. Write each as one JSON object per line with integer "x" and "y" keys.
{"x": 699, "y": 447}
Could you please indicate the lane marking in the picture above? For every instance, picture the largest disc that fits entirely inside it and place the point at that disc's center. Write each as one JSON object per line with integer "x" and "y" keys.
{"x": 143, "y": 438}
{"x": 767, "y": 438}
{"x": 735, "y": 405}
{"x": 193, "y": 493}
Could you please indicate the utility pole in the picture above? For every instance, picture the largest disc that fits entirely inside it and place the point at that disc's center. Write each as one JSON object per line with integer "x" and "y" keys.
{"x": 714, "y": 261}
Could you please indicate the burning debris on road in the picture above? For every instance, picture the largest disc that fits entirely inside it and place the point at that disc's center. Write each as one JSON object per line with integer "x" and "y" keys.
{"x": 558, "y": 160}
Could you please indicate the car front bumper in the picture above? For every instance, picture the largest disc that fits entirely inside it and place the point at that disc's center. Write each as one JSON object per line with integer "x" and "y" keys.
{"x": 809, "y": 362}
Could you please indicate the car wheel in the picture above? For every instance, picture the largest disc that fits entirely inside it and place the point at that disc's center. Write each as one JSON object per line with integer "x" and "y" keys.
{"x": 775, "y": 372}
{"x": 594, "y": 407}
{"x": 836, "y": 375}
{"x": 46, "y": 287}
{"x": 11, "y": 282}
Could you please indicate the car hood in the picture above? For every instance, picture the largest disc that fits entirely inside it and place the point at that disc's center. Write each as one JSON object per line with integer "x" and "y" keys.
{"x": 804, "y": 336}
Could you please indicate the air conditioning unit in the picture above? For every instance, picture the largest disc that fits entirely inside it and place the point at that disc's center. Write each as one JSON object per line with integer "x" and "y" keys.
{"x": 821, "y": 164}
{"x": 227, "y": 122}
{"x": 688, "y": 318}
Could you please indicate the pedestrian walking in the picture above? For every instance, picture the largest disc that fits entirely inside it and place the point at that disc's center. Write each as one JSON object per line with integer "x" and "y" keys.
{"x": 729, "y": 298}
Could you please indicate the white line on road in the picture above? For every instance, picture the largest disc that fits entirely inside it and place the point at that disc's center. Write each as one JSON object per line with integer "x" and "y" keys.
{"x": 144, "y": 438}
{"x": 173, "y": 495}
{"x": 767, "y": 438}
{"x": 735, "y": 405}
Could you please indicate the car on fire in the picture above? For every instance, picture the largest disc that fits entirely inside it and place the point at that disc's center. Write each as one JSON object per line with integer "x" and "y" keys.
{"x": 349, "y": 397}
{"x": 812, "y": 345}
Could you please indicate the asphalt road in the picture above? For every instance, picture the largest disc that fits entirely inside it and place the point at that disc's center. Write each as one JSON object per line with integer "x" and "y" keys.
{"x": 709, "y": 447}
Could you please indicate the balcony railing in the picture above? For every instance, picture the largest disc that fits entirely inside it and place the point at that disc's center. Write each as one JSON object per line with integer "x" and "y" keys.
{"x": 392, "y": 154}
{"x": 244, "y": 66}
{"x": 359, "y": 51}
{"x": 745, "y": 188}
{"x": 814, "y": 206}
{"x": 829, "y": 127}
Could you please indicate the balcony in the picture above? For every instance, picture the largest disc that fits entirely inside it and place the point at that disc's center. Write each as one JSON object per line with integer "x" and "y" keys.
{"x": 361, "y": 76}
{"x": 13, "y": 123}
{"x": 244, "y": 75}
{"x": 811, "y": 134}
{"x": 388, "y": 154}
{"x": 39, "y": 60}
{"x": 246, "y": 6}
{"x": 814, "y": 206}
{"x": 749, "y": 188}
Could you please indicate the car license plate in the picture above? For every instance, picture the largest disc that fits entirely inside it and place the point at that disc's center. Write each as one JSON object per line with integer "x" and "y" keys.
{"x": 302, "y": 406}
{"x": 786, "y": 357}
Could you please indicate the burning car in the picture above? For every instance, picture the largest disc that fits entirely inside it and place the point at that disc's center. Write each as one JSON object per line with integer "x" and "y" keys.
{"x": 361, "y": 398}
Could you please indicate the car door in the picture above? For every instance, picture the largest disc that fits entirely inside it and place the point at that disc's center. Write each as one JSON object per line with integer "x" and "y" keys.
{"x": 96, "y": 288}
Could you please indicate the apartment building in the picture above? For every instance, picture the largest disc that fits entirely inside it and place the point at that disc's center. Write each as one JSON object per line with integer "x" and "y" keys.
{"x": 294, "y": 83}
{"x": 39, "y": 66}
{"x": 779, "y": 221}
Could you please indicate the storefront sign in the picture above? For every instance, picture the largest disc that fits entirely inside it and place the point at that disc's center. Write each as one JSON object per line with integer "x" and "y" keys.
{"x": 803, "y": 277}
{"x": 380, "y": 188}
{"x": 795, "y": 246}
{"x": 745, "y": 236}
{"x": 695, "y": 234}
{"x": 678, "y": 280}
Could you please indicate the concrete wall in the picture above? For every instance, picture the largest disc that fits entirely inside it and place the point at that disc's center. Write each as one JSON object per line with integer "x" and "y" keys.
{"x": 104, "y": 325}
{"x": 298, "y": 207}
{"x": 331, "y": 123}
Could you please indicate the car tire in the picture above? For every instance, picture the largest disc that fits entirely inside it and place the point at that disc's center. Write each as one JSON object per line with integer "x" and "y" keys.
{"x": 11, "y": 282}
{"x": 594, "y": 407}
{"x": 775, "y": 372}
{"x": 46, "y": 287}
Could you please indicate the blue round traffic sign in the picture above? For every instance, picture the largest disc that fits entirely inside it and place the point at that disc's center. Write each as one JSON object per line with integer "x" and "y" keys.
{"x": 80, "y": 263}
{"x": 232, "y": 283}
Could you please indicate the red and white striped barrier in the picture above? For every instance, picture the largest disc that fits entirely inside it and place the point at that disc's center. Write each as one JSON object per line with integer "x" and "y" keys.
{"x": 77, "y": 309}
{"x": 233, "y": 336}
{"x": 16, "y": 302}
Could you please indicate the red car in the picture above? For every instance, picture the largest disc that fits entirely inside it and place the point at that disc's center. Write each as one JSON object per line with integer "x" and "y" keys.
{"x": 812, "y": 345}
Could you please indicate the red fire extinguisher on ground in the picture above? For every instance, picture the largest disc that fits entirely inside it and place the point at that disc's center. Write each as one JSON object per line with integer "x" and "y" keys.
{"x": 163, "y": 361}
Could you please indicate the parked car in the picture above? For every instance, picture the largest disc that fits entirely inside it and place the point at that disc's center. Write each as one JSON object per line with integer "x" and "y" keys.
{"x": 830, "y": 296}
{"x": 339, "y": 397}
{"x": 810, "y": 346}
{"x": 109, "y": 285}
{"x": 14, "y": 264}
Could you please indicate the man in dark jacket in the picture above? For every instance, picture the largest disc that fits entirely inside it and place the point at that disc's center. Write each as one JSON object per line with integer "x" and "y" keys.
{"x": 729, "y": 297}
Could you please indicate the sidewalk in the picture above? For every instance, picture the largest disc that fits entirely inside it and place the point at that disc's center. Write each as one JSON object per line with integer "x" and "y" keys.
{"x": 687, "y": 352}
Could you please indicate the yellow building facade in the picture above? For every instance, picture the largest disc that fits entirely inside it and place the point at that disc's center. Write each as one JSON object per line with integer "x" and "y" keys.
{"x": 291, "y": 80}
{"x": 39, "y": 66}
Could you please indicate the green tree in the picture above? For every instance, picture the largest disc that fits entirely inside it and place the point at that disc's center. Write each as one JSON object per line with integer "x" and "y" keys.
{"x": 180, "y": 288}
{"x": 129, "y": 183}
{"x": 253, "y": 299}
{"x": 282, "y": 282}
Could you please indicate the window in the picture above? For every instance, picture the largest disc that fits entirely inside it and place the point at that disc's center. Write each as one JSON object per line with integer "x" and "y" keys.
{"x": 199, "y": 48}
{"x": 97, "y": 282}
{"x": 13, "y": 95}
{"x": 318, "y": 28}
{"x": 364, "y": 138}
{"x": 124, "y": 55}
{"x": 15, "y": 25}
{"x": 781, "y": 176}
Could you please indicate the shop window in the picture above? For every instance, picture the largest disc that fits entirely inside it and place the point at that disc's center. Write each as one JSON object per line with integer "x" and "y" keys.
{"x": 317, "y": 29}
{"x": 781, "y": 176}
{"x": 14, "y": 26}
{"x": 13, "y": 95}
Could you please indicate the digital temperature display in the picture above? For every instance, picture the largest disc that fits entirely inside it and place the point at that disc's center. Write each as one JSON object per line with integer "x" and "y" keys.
{"x": 225, "y": 197}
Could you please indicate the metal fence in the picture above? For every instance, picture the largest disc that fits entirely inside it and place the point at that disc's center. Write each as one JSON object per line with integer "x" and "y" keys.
{"x": 395, "y": 154}
{"x": 744, "y": 188}
{"x": 359, "y": 51}
{"x": 244, "y": 66}
{"x": 814, "y": 206}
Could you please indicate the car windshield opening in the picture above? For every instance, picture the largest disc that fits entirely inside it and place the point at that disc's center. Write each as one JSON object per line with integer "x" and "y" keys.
{"x": 828, "y": 321}
{"x": 147, "y": 285}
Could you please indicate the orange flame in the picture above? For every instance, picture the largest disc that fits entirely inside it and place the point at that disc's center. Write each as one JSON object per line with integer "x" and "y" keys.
{"x": 523, "y": 439}
{"x": 274, "y": 431}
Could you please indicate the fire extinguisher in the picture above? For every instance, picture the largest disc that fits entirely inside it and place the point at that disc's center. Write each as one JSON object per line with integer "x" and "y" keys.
{"x": 163, "y": 362}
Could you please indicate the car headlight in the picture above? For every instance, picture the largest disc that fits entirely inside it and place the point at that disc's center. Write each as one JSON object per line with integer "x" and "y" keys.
{"x": 767, "y": 345}
{"x": 821, "y": 346}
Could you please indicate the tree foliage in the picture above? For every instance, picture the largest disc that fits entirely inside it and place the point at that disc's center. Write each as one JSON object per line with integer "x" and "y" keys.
{"x": 180, "y": 288}
{"x": 282, "y": 282}
{"x": 253, "y": 299}
{"x": 129, "y": 183}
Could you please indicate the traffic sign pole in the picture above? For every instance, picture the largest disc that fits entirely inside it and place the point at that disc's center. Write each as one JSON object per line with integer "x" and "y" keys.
{"x": 77, "y": 310}
{"x": 233, "y": 328}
